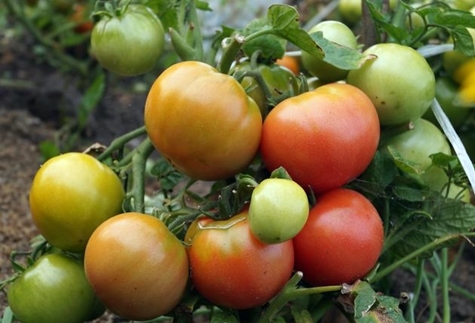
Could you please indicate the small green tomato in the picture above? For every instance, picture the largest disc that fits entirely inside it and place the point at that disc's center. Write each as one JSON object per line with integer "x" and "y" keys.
{"x": 278, "y": 210}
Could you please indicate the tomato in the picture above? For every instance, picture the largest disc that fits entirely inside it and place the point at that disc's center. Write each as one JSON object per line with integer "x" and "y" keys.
{"x": 137, "y": 267}
{"x": 279, "y": 80}
{"x": 278, "y": 210}
{"x": 336, "y": 32}
{"x": 416, "y": 145}
{"x": 54, "y": 289}
{"x": 323, "y": 138}
{"x": 231, "y": 268}
{"x": 130, "y": 42}
{"x": 399, "y": 81}
{"x": 80, "y": 16}
{"x": 202, "y": 121}
{"x": 291, "y": 62}
{"x": 70, "y": 196}
{"x": 341, "y": 241}
{"x": 446, "y": 95}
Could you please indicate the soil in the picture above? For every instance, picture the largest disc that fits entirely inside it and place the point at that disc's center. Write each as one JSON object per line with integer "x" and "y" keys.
{"x": 33, "y": 106}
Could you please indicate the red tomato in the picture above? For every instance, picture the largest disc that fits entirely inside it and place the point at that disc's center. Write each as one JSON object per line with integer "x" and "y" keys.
{"x": 231, "y": 268}
{"x": 136, "y": 266}
{"x": 323, "y": 138}
{"x": 341, "y": 241}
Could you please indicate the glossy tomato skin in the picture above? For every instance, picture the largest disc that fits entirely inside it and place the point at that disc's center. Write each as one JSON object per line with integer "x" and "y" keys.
{"x": 53, "y": 290}
{"x": 231, "y": 268}
{"x": 389, "y": 81}
{"x": 70, "y": 196}
{"x": 136, "y": 266}
{"x": 278, "y": 210}
{"x": 209, "y": 129}
{"x": 129, "y": 44}
{"x": 341, "y": 241}
{"x": 323, "y": 138}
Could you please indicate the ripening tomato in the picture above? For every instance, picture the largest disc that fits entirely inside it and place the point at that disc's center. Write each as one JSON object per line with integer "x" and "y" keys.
{"x": 291, "y": 62}
{"x": 70, "y": 196}
{"x": 389, "y": 81}
{"x": 202, "y": 121}
{"x": 53, "y": 290}
{"x": 341, "y": 241}
{"x": 278, "y": 210}
{"x": 323, "y": 138}
{"x": 136, "y": 266}
{"x": 231, "y": 268}
{"x": 80, "y": 16}
{"x": 130, "y": 42}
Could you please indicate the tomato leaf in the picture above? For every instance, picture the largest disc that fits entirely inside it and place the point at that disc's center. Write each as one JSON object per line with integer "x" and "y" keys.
{"x": 369, "y": 306}
{"x": 220, "y": 316}
{"x": 284, "y": 20}
{"x": 166, "y": 174}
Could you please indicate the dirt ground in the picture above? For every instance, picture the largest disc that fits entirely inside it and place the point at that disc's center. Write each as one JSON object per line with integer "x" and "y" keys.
{"x": 29, "y": 114}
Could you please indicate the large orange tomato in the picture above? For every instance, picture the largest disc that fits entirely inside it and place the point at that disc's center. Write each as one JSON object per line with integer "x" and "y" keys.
{"x": 323, "y": 138}
{"x": 136, "y": 266}
{"x": 202, "y": 121}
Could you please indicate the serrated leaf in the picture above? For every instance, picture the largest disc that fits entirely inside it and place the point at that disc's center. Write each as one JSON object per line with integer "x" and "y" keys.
{"x": 404, "y": 165}
{"x": 270, "y": 46}
{"x": 448, "y": 217}
{"x": 166, "y": 174}
{"x": 452, "y": 18}
{"x": 410, "y": 194}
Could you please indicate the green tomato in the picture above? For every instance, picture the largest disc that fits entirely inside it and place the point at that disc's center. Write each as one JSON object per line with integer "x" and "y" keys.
{"x": 336, "y": 32}
{"x": 70, "y": 196}
{"x": 278, "y": 210}
{"x": 416, "y": 145}
{"x": 399, "y": 82}
{"x": 129, "y": 43}
{"x": 53, "y": 290}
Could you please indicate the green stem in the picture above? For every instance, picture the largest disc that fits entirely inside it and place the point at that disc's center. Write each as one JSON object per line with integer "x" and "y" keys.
{"x": 120, "y": 142}
{"x": 290, "y": 292}
{"x": 230, "y": 53}
{"x": 415, "y": 254}
{"x": 445, "y": 285}
{"x": 52, "y": 46}
{"x": 139, "y": 159}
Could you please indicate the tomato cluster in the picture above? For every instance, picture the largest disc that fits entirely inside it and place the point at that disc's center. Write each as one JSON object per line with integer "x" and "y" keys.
{"x": 299, "y": 146}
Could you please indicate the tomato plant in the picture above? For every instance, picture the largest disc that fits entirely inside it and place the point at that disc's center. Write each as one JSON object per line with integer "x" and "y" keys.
{"x": 207, "y": 137}
{"x": 53, "y": 289}
{"x": 388, "y": 80}
{"x": 129, "y": 41}
{"x": 136, "y": 266}
{"x": 324, "y": 138}
{"x": 266, "y": 84}
{"x": 70, "y": 196}
{"x": 230, "y": 267}
{"x": 334, "y": 31}
{"x": 341, "y": 241}
{"x": 278, "y": 210}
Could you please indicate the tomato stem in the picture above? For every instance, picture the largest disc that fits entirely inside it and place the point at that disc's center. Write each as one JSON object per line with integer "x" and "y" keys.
{"x": 119, "y": 142}
{"x": 139, "y": 159}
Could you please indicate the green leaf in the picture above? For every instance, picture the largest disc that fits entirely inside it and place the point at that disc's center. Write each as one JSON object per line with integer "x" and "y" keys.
{"x": 7, "y": 316}
{"x": 166, "y": 174}
{"x": 220, "y": 316}
{"x": 404, "y": 165}
{"x": 463, "y": 41}
{"x": 452, "y": 18}
{"x": 270, "y": 46}
{"x": 370, "y": 306}
{"x": 447, "y": 216}
{"x": 284, "y": 20}
{"x": 91, "y": 99}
